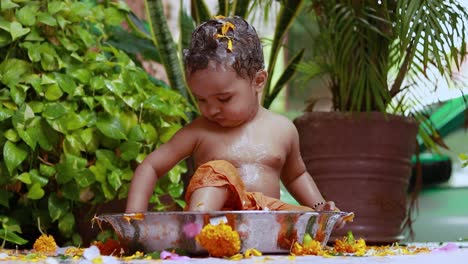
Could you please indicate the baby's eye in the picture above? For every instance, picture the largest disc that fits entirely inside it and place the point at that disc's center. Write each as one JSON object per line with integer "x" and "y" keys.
{"x": 200, "y": 100}
{"x": 225, "y": 99}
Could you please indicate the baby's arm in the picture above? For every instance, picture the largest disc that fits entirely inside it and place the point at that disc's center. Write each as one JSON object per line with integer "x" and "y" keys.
{"x": 295, "y": 176}
{"x": 299, "y": 182}
{"x": 157, "y": 164}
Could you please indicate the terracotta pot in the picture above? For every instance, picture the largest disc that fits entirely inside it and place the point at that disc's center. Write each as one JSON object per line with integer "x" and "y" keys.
{"x": 362, "y": 161}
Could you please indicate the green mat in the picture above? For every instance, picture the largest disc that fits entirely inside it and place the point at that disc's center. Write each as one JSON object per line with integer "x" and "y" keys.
{"x": 447, "y": 118}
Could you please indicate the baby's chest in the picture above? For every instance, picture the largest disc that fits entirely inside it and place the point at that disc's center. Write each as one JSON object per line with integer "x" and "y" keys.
{"x": 261, "y": 151}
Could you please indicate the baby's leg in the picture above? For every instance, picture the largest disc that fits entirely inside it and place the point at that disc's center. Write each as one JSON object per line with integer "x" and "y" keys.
{"x": 208, "y": 199}
{"x": 215, "y": 185}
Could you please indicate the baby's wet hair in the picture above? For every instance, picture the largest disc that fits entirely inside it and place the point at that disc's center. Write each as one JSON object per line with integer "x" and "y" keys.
{"x": 210, "y": 44}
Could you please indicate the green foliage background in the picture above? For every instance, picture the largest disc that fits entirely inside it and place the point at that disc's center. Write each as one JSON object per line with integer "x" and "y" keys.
{"x": 76, "y": 116}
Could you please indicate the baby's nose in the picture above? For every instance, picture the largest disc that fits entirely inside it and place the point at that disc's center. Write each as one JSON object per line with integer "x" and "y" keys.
{"x": 214, "y": 110}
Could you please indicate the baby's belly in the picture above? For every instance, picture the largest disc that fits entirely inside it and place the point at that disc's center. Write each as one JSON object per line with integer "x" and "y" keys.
{"x": 259, "y": 178}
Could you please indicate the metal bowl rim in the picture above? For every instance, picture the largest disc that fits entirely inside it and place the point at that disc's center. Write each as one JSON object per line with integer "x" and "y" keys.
{"x": 244, "y": 212}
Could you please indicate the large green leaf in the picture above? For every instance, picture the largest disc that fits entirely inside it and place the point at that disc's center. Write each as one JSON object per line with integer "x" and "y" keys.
{"x": 5, "y": 197}
{"x": 128, "y": 120}
{"x": 73, "y": 144}
{"x": 13, "y": 156}
{"x": 24, "y": 177}
{"x": 176, "y": 189}
{"x": 12, "y": 135}
{"x": 99, "y": 170}
{"x": 114, "y": 179}
{"x": 33, "y": 133}
{"x": 69, "y": 168}
{"x": 200, "y": 11}
{"x": 46, "y": 136}
{"x": 150, "y": 133}
{"x": 85, "y": 178}
{"x": 50, "y": 60}
{"x": 57, "y": 207}
{"x": 108, "y": 191}
{"x": 187, "y": 26}
{"x": 67, "y": 224}
{"x": 35, "y": 192}
{"x": 54, "y": 110}
{"x": 46, "y": 170}
{"x": 10, "y": 236}
{"x": 5, "y": 113}
{"x": 37, "y": 178}
{"x": 82, "y": 75}
{"x": 136, "y": 134}
{"x": 7, "y": 4}
{"x": 110, "y": 126}
{"x": 130, "y": 150}
{"x": 13, "y": 70}
{"x": 70, "y": 191}
{"x": 162, "y": 39}
{"x": 76, "y": 121}
{"x": 113, "y": 16}
{"x": 89, "y": 139}
{"x": 288, "y": 12}
{"x": 66, "y": 83}
{"x": 17, "y": 30}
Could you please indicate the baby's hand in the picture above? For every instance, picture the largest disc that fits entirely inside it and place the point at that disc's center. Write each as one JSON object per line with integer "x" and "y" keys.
{"x": 330, "y": 206}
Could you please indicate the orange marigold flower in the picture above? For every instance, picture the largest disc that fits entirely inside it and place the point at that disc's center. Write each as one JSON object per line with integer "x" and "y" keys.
{"x": 350, "y": 245}
{"x": 219, "y": 240}
{"x": 45, "y": 244}
{"x": 308, "y": 247}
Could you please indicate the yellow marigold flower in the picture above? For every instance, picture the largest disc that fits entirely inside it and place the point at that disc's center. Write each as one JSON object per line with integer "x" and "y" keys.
{"x": 252, "y": 252}
{"x": 74, "y": 251}
{"x": 229, "y": 47}
{"x": 226, "y": 27}
{"x": 45, "y": 244}
{"x": 219, "y": 240}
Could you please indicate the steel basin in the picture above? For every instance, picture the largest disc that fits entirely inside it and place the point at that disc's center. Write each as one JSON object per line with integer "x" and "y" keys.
{"x": 267, "y": 231}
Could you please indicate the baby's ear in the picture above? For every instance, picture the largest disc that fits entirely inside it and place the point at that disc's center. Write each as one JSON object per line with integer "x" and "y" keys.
{"x": 260, "y": 80}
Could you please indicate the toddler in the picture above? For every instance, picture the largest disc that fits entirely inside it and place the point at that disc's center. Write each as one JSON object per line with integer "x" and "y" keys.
{"x": 239, "y": 162}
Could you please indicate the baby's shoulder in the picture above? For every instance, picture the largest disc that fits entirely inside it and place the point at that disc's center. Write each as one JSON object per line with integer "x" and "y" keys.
{"x": 200, "y": 126}
{"x": 280, "y": 123}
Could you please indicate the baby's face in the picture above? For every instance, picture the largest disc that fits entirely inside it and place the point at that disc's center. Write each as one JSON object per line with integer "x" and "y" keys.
{"x": 223, "y": 97}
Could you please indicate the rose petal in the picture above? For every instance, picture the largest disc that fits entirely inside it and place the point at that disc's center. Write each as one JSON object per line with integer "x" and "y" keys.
{"x": 172, "y": 256}
{"x": 447, "y": 247}
{"x": 192, "y": 229}
{"x": 165, "y": 254}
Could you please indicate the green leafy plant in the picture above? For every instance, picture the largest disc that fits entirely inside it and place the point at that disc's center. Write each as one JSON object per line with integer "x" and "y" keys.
{"x": 76, "y": 115}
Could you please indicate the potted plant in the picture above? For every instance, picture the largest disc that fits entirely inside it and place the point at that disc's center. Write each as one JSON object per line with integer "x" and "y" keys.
{"x": 370, "y": 54}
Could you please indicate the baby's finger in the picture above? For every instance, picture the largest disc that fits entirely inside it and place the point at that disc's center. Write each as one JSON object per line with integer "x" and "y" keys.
{"x": 329, "y": 206}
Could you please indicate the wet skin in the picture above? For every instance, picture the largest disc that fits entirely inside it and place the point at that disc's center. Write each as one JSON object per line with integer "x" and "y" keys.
{"x": 233, "y": 127}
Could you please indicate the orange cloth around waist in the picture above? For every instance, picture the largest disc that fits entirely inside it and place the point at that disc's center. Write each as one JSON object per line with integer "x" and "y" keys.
{"x": 221, "y": 173}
